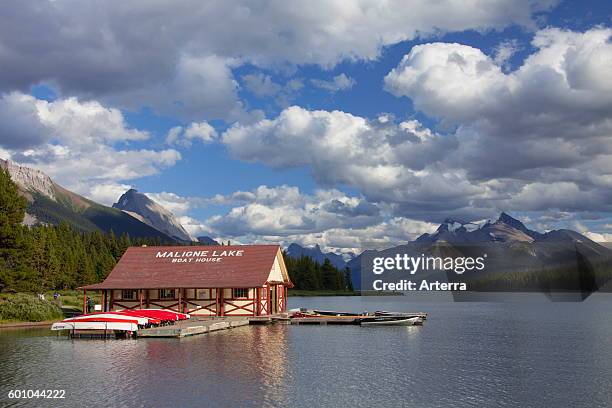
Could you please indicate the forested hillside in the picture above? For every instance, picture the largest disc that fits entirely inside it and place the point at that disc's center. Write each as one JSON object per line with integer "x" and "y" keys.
{"x": 308, "y": 274}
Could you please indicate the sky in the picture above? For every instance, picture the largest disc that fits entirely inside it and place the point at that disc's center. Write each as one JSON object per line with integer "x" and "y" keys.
{"x": 349, "y": 124}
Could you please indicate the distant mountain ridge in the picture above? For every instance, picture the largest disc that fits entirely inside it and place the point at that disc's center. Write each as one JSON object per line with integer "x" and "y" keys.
{"x": 297, "y": 251}
{"x": 207, "y": 241}
{"x": 528, "y": 247}
{"x": 504, "y": 229}
{"x": 141, "y": 207}
{"x": 50, "y": 203}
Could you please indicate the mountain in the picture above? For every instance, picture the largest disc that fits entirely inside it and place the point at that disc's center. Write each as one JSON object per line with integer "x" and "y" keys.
{"x": 297, "y": 251}
{"x": 505, "y": 229}
{"x": 144, "y": 209}
{"x": 207, "y": 241}
{"x": 512, "y": 246}
{"x": 50, "y": 203}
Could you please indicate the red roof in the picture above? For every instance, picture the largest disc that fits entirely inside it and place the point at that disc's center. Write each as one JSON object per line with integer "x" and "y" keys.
{"x": 233, "y": 266}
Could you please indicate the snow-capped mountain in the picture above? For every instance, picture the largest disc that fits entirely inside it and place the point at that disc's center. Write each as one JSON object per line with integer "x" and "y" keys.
{"x": 144, "y": 209}
{"x": 504, "y": 229}
{"x": 518, "y": 246}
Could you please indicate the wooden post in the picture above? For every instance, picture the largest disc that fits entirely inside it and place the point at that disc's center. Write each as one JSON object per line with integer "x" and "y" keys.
{"x": 257, "y": 306}
{"x": 147, "y": 297}
{"x": 84, "y": 301}
{"x": 111, "y": 300}
{"x": 216, "y": 301}
{"x": 277, "y": 300}
{"x": 254, "y": 300}
{"x": 221, "y": 301}
{"x": 180, "y": 304}
{"x": 286, "y": 297}
{"x": 103, "y": 300}
{"x": 269, "y": 299}
{"x": 140, "y": 297}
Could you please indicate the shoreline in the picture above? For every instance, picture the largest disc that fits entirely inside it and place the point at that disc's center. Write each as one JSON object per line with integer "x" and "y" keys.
{"x": 26, "y": 325}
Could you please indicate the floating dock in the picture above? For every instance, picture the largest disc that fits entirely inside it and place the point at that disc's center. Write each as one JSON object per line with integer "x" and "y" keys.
{"x": 193, "y": 327}
{"x": 202, "y": 325}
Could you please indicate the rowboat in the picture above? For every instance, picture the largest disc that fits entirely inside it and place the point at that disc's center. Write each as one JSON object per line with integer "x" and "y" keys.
{"x": 113, "y": 316}
{"x": 163, "y": 315}
{"x": 111, "y": 325}
{"x": 385, "y": 313}
{"x": 333, "y": 313}
{"x": 390, "y": 321}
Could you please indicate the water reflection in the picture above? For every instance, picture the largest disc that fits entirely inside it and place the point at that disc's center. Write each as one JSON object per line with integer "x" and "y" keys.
{"x": 485, "y": 354}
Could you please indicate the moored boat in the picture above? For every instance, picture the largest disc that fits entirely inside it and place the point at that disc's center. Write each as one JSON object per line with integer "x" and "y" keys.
{"x": 390, "y": 321}
{"x": 113, "y": 316}
{"x": 385, "y": 313}
{"x": 100, "y": 325}
{"x": 334, "y": 313}
{"x": 162, "y": 315}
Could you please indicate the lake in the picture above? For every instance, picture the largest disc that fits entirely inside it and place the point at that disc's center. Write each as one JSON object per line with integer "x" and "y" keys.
{"x": 525, "y": 351}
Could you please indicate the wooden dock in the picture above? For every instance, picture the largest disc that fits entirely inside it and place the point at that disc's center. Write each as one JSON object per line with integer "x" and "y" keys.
{"x": 324, "y": 320}
{"x": 202, "y": 325}
{"x": 194, "y": 327}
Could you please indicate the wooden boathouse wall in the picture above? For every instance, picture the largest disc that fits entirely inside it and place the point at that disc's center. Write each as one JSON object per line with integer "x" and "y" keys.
{"x": 204, "y": 302}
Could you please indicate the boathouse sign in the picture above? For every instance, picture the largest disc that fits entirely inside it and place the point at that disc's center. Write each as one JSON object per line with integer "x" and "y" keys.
{"x": 204, "y": 256}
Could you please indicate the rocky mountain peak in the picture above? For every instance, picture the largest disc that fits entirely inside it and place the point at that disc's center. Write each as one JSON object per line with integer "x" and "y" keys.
{"x": 507, "y": 219}
{"x": 141, "y": 207}
{"x": 30, "y": 179}
{"x": 512, "y": 222}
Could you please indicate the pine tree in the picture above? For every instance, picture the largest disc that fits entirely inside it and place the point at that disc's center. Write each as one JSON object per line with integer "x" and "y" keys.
{"x": 348, "y": 279}
{"x": 12, "y": 240}
{"x": 328, "y": 275}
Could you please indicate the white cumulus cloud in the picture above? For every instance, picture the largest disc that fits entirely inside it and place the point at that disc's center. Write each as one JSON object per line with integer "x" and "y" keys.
{"x": 82, "y": 145}
{"x": 178, "y": 58}
{"x": 201, "y": 131}
{"x": 340, "y": 82}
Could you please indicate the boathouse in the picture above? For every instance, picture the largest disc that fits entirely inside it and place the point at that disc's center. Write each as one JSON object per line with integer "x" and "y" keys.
{"x": 236, "y": 280}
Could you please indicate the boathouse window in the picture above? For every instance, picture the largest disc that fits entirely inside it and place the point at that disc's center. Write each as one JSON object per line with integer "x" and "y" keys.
{"x": 202, "y": 293}
{"x": 128, "y": 294}
{"x": 240, "y": 293}
{"x": 166, "y": 293}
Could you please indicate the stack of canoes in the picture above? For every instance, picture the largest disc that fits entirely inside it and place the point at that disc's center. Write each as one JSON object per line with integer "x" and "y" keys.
{"x": 121, "y": 321}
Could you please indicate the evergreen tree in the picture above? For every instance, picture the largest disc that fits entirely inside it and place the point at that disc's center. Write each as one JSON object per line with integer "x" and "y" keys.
{"x": 348, "y": 279}
{"x": 307, "y": 274}
{"x": 328, "y": 275}
{"x": 12, "y": 240}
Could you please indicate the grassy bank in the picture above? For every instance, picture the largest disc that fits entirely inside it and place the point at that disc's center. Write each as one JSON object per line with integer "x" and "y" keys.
{"x": 26, "y": 307}
{"x": 74, "y": 298}
{"x": 23, "y": 307}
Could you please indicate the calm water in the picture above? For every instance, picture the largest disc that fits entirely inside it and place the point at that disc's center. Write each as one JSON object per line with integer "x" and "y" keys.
{"x": 525, "y": 352}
